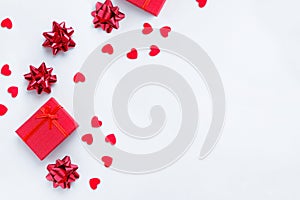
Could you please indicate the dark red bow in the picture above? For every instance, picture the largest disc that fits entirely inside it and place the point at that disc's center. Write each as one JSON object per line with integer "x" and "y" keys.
{"x": 59, "y": 39}
{"x": 107, "y": 16}
{"x": 62, "y": 173}
{"x": 40, "y": 79}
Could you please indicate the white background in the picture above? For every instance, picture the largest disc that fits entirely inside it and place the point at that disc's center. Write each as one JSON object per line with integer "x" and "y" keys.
{"x": 255, "y": 46}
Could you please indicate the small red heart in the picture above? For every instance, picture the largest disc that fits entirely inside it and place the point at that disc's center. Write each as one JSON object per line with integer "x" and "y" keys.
{"x": 107, "y": 160}
{"x": 133, "y": 54}
{"x": 6, "y": 23}
{"x": 94, "y": 182}
{"x": 13, "y": 90}
{"x": 147, "y": 29}
{"x": 108, "y": 49}
{"x": 5, "y": 70}
{"x": 88, "y": 138}
{"x": 96, "y": 123}
{"x": 202, "y": 3}
{"x": 154, "y": 50}
{"x": 3, "y": 109}
{"x": 79, "y": 77}
{"x": 111, "y": 139}
{"x": 164, "y": 31}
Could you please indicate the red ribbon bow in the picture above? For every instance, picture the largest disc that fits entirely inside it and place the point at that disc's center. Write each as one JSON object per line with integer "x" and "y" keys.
{"x": 60, "y": 38}
{"x": 62, "y": 173}
{"x": 47, "y": 115}
{"x": 40, "y": 79}
{"x": 107, "y": 16}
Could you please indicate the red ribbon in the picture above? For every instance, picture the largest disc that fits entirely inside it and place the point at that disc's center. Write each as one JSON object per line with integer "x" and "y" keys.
{"x": 51, "y": 117}
{"x": 146, "y": 3}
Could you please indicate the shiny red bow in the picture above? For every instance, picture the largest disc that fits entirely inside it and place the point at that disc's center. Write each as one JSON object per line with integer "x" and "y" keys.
{"x": 40, "y": 79}
{"x": 62, "y": 173}
{"x": 107, "y": 16}
{"x": 59, "y": 39}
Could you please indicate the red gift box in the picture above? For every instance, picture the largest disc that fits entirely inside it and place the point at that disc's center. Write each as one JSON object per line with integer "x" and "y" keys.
{"x": 47, "y": 128}
{"x": 152, "y": 6}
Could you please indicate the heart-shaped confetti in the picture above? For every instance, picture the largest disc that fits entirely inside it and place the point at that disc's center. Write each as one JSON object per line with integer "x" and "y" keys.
{"x": 94, "y": 182}
{"x": 7, "y": 23}
{"x": 3, "y": 109}
{"x": 108, "y": 49}
{"x": 164, "y": 31}
{"x": 96, "y": 123}
{"x": 107, "y": 160}
{"x": 13, "y": 90}
{"x": 5, "y": 70}
{"x": 147, "y": 29}
{"x": 79, "y": 77}
{"x": 133, "y": 54}
{"x": 202, "y": 3}
{"x": 88, "y": 138}
{"x": 111, "y": 139}
{"x": 154, "y": 50}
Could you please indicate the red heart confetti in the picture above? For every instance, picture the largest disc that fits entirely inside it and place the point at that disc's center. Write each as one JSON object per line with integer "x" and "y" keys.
{"x": 111, "y": 139}
{"x": 94, "y": 182}
{"x": 164, "y": 31}
{"x": 79, "y": 77}
{"x": 96, "y": 123}
{"x": 13, "y": 90}
{"x": 3, "y": 109}
{"x": 147, "y": 29}
{"x": 202, "y": 3}
{"x": 5, "y": 70}
{"x": 154, "y": 50}
{"x": 133, "y": 54}
{"x": 88, "y": 138}
{"x": 108, "y": 49}
{"x": 6, "y": 23}
{"x": 107, "y": 160}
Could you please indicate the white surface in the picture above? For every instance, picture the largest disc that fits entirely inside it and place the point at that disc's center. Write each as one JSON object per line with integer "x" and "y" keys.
{"x": 255, "y": 46}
